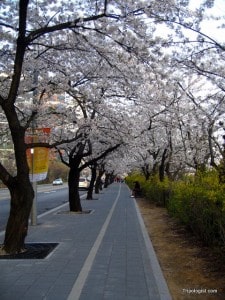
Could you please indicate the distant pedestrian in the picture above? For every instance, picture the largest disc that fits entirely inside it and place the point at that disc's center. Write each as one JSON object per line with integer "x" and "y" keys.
{"x": 136, "y": 192}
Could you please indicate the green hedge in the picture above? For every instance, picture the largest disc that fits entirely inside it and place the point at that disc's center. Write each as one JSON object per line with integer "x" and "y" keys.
{"x": 197, "y": 201}
{"x": 152, "y": 189}
{"x": 135, "y": 177}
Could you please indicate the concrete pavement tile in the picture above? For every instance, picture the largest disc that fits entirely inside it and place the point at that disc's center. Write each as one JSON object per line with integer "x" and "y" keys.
{"x": 89, "y": 296}
{"x": 119, "y": 270}
{"x": 14, "y": 292}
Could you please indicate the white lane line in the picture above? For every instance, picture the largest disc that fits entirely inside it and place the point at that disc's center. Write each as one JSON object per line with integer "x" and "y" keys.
{"x": 82, "y": 277}
{"x": 48, "y": 212}
{"x": 56, "y": 208}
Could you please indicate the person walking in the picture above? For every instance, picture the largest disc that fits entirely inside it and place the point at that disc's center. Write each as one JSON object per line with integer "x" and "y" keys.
{"x": 136, "y": 192}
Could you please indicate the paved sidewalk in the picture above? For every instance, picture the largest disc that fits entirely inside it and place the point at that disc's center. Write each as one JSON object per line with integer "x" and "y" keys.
{"x": 102, "y": 255}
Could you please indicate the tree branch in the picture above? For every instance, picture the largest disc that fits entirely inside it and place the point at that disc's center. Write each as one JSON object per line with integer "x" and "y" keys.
{"x": 104, "y": 154}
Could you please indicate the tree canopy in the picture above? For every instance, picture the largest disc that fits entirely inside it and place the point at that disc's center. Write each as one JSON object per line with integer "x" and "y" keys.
{"x": 142, "y": 79}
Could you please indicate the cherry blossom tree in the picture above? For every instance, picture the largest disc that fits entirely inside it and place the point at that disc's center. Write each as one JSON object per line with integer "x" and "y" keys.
{"x": 29, "y": 32}
{"x": 105, "y": 55}
{"x": 198, "y": 50}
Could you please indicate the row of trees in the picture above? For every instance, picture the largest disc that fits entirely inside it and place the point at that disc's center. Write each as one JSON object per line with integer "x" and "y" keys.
{"x": 131, "y": 98}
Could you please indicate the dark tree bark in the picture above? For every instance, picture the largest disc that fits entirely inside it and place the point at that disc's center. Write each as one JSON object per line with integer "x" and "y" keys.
{"x": 73, "y": 183}
{"x": 17, "y": 225}
{"x": 76, "y": 156}
{"x": 21, "y": 191}
{"x": 146, "y": 172}
{"x": 162, "y": 166}
{"x": 19, "y": 186}
{"x": 98, "y": 184}
{"x": 92, "y": 182}
{"x": 107, "y": 180}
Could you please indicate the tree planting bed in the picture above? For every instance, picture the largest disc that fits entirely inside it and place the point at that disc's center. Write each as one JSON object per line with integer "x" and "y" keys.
{"x": 32, "y": 251}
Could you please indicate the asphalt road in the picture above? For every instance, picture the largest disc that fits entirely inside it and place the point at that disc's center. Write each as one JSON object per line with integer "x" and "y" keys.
{"x": 48, "y": 197}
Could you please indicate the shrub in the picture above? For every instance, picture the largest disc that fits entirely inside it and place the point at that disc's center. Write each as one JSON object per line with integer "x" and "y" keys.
{"x": 199, "y": 204}
{"x": 152, "y": 189}
{"x": 158, "y": 191}
{"x": 198, "y": 201}
{"x": 136, "y": 177}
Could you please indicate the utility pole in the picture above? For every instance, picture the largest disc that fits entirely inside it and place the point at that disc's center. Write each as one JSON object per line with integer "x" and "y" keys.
{"x": 34, "y": 205}
{"x": 34, "y": 182}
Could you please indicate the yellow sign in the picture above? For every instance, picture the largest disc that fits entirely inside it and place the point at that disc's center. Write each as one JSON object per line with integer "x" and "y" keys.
{"x": 38, "y": 157}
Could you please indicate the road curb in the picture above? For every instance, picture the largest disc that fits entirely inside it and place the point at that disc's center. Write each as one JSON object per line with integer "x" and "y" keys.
{"x": 160, "y": 280}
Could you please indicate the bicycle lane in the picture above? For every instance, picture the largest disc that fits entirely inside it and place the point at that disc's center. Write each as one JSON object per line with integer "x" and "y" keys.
{"x": 124, "y": 264}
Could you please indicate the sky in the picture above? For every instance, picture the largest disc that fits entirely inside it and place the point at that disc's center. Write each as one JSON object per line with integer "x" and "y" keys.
{"x": 210, "y": 28}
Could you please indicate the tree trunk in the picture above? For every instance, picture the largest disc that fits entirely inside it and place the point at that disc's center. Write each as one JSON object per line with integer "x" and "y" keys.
{"x": 74, "y": 196}
{"x": 17, "y": 226}
{"x": 98, "y": 184}
{"x": 20, "y": 188}
{"x": 146, "y": 172}
{"x": 162, "y": 166}
{"x": 107, "y": 180}
{"x": 92, "y": 183}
